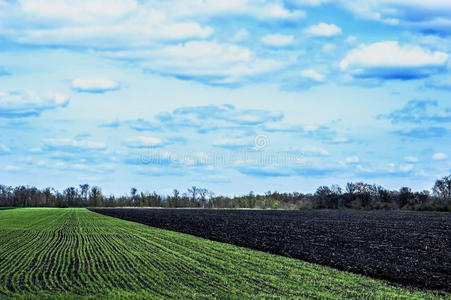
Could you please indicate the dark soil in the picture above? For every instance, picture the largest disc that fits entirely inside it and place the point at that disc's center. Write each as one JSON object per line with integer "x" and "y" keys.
{"x": 410, "y": 248}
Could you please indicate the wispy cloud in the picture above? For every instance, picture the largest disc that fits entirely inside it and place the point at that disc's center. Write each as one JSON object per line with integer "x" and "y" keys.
{"x": 423, "y": 132}
{"x": 72, "y": 145}
{"x": 427, "y": 16}
{"x": 440, "y": 83}
{"x": 417, "y": 111}
{"x": 4, "y": 150}
{"x": 144, "y": 142}
{"x": 17, "y": 105}
{"x": 277, "y": 40}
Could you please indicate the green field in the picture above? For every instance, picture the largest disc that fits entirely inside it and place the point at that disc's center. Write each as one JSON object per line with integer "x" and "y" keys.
{"x": 71, "y": 253}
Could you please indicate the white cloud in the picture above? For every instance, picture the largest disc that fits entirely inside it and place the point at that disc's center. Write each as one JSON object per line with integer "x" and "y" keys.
{"x": 209, "y": 62}
{"x": 144, "y": 142}
{"x": 124, "y": 24}
{"x": 389, "y": 60}
{"x": 94, "y": 85}
{"x": 314, "y": 150}
{"x": 308, "y": 2}
{"x": 4, "y": 149}
{"x": 313, "y": 75}
{"x": 96, "y": 23}
{"x": 364, "y": 169}
{"x": 13, "y": 168}
{"x": 340, "y": 139}
{"x": 323, "y": 30}
{"x": 431, "y": 14}
{"x": 82, "y": 11}
{"x": 277, "y": 40}
{"x": 406, "y": 168}
{"x": 15, "y": 105}
{"x": 411, "y": 159}
{"x": 259, "y": 9}
{"x": 439, "y": 156}
{"x": 277, "y": 11}
{"x": 161, "y": 36}
{"x": 72, "y": 145}
{"x": 352, "y": 159}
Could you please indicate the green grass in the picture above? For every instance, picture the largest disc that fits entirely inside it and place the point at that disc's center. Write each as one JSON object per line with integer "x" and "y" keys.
{"x": 75, "y": 253}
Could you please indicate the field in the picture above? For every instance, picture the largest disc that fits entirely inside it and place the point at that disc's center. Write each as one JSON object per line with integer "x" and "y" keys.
{"x": 411, "y": 248}
{"x": 71, "y": 253}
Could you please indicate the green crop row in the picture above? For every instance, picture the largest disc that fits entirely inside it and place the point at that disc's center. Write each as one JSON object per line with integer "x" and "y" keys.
{"x": 75, "y": 253}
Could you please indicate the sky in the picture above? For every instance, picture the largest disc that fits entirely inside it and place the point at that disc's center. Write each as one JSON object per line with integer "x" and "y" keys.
{"x": 232, "y": 96}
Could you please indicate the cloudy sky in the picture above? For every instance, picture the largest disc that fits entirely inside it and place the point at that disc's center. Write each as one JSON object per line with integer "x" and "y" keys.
{"x": 228, "y": 95}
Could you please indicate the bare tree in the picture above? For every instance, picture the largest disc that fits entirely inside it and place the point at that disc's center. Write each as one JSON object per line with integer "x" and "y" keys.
{"x": 193, "y": 192}
{"x": 84, "y": 189}
{"x": 95, "y": 196}
{"x": 442, "y": 188}
{"x": 203, "y": 196}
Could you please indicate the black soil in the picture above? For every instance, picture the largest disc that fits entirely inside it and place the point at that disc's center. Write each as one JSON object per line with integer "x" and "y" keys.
{"x": 410, "y": 248}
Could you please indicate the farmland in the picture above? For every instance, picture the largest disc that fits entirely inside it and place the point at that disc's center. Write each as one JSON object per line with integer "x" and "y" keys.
{"x": 410, "y": 248}
{"x": 72, "y": 253}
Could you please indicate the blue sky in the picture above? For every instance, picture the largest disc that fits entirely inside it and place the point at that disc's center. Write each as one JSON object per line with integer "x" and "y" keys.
{"x": 230, "y": 95}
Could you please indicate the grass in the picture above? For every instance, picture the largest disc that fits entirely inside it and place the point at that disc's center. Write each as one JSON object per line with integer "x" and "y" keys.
{"x": 75, "y": 253}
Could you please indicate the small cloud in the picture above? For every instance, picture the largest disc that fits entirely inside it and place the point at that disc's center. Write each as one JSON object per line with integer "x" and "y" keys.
{"x": 144, "y": 142}
{"x": 410, "y": 158}
{"x": 72, "y": 145}
{"x": 143, "y": 125}
{"x": 94, "y": 85}
{"x": 308, "y": 2}
{"x": 277, "y": 11}
{"x": 340, "y": 140}
{"x": 312, "y": 75}
{"x": 277, "y": 40}
{"x": 240, "y": 35}
{"x": 352, "y": 159}
{"x": 406, "y": 168}
{"x": 4, "y": 150}
{"x": 323, "y": 30}
{"x": 364, "y": 169}
{"x": 439, "y": 156}
{"x": 351, "y": 40}
{"x": 389, "y": 60}
{"x": 113, "y": 124}
{"x": 35, "y": 150}
{"x": 314, "y": 151}
{"x": 232, "y": 143}
{"x": 423, "y": 132}
{"x": 13, "y": 168}
{"x": 417, "y": 111}
{"x": 442, "y": 83}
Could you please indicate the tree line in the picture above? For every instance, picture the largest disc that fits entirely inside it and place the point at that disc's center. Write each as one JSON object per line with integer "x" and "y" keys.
{"x": 358, "y": 195}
